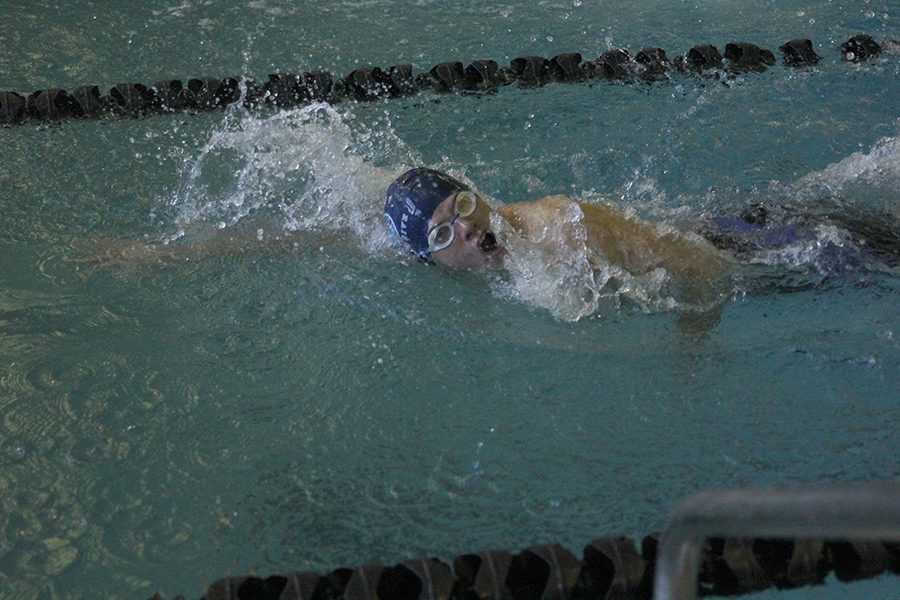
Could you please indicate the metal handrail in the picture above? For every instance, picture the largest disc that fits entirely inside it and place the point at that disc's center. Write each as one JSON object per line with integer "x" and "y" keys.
{"x": 848, "y": 511}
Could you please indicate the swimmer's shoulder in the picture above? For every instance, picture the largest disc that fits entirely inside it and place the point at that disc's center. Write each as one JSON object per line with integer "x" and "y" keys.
{"x": 531, "y": 215}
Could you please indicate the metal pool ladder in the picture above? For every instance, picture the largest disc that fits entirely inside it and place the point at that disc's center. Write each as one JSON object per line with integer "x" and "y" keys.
{"x": 850, "y": 511}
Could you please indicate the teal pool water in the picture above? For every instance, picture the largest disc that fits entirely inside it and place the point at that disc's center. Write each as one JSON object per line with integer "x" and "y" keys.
{"x": 320, "y": 400}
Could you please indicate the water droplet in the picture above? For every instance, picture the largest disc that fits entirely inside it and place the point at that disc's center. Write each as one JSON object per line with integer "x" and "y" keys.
{"x": 549, "y": 38}
{"x": 870, "y": 14}
{"x": 576, "y": 3}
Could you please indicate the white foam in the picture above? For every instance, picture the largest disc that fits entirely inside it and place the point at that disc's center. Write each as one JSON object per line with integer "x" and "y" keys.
{"x": 312, "y": 167}
{"x": 553, "y": 271}
{"x": 877, "y": 170}
{"x": 558, "y": 271}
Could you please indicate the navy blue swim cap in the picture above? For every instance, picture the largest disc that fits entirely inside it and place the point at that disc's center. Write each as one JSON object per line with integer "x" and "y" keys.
{"x": 412, "y": 199}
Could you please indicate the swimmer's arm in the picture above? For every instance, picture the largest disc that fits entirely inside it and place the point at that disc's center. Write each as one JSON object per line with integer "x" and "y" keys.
{"x": 98, "y": 254}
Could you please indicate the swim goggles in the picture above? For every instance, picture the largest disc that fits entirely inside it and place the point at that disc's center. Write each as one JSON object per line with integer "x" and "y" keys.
{"x": 442, "y": 234}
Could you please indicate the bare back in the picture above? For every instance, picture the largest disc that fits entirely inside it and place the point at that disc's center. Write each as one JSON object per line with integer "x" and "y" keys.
{"x": 624, "y": 241}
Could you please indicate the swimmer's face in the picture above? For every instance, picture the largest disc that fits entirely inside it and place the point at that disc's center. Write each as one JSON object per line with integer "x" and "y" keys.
{"x": 474, "y": 246}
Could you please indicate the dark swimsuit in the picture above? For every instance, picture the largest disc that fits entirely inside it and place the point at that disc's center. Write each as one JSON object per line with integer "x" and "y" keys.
{"x": 760, "y": 229}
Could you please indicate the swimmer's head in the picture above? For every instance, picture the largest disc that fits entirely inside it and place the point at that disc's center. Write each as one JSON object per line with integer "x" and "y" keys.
{"x": 411, "y": 201}
{"x": 440, "y": 220}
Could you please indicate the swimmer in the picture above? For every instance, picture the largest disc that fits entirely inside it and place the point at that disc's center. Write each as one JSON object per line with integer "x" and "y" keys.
{"x": 441, "y": 220}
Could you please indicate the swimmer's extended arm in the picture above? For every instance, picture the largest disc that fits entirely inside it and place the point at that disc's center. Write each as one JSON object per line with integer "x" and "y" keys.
{"x": 131, "y": 254}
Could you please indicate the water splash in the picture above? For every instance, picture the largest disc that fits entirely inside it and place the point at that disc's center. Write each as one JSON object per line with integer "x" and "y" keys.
{"x": 873, "y": 176}
{"x": 311, "y": 168}
{"x": 560, "y": 272}
{"x": 554, "y": 271}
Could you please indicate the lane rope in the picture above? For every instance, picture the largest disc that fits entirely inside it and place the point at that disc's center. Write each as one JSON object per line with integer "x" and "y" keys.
{"x": 285, "y": 90}
{"x": 611, "y": 567}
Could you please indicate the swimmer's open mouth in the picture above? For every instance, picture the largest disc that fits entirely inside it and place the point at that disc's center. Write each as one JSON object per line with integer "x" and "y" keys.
{"x": 489, "y": 242}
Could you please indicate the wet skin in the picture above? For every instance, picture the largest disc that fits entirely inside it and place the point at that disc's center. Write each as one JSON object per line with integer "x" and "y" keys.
{"x": 474, "y": 246}
{"x": 625, "y": 241}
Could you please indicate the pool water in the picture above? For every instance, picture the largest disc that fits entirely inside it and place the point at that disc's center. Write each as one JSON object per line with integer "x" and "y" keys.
{"x": 280, "y": 388}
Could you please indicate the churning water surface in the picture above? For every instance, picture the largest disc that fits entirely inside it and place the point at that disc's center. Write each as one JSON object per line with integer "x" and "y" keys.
{"x": 275, "y": 386}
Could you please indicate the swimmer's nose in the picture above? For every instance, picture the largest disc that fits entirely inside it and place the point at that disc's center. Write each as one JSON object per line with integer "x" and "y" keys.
{"x": 467, "y": 229}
